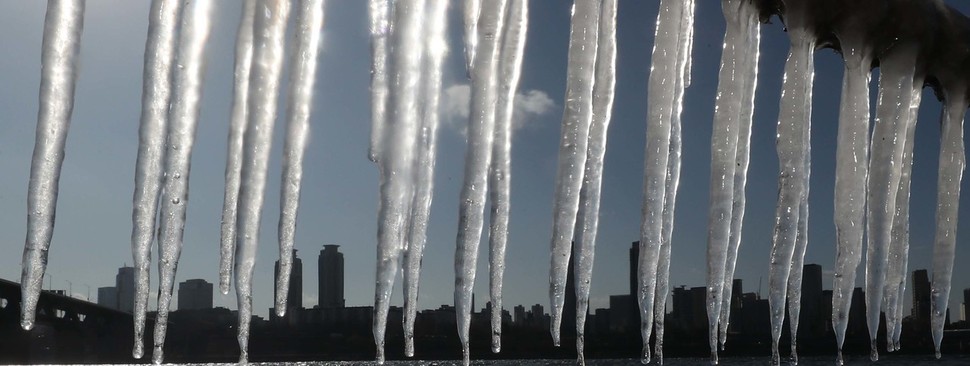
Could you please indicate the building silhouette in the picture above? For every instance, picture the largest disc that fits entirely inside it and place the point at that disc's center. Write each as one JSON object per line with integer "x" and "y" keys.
{"x": 810, "y": 316}
{"x": 634, "y": 264}
{"x": 921, "y": 298}
{"x": 195, "y": 295}
{"x": 125, "y": 287}
{"x": 966, "y": 304}
{"x": 331, "y": 277}
{"x": 519, "y": 315}
{"x": 294, "y": 296}
{"x": 108, "y": 297}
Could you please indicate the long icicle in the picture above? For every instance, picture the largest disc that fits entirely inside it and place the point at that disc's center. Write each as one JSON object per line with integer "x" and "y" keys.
{"x": 801, "y": 241}
{"x": 851, "y": 173}
{"x": 269, "y": 29}
{"x": 671, "y": 185}
{"x": 573, "y": 143}
{"x": 724, "y": 147}
{"x": 156, "y": 92}
{"x": 952, "y": 163}
{"x": 303, "y": 69}
{"x": 237, "y": 128}
{"x": 752, "y": 32}
{"x": 398, "y": 154}
{"x": 896, "y": 74}
{"x": 435, "y": 52}
{"x": 187, "y": 80}
{"x": 379, "y": 13}
{"x": 471, "y": 13}
{"x": 478, "y": 156}
{"x": 660, "y": 106}
{"x": 59, "y": 54}
{"x": 510, "y": 67}
{"x": 792, "y": 151}
{"x": 903, "y": 263}
{"x": 899, "y": 246}
{"x": 588, "y": 216}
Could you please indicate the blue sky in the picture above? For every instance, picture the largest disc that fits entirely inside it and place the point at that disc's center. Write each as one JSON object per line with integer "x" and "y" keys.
{"x": 339, "y": 202}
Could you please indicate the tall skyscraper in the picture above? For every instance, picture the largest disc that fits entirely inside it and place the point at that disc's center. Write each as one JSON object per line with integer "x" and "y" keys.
{"x": 966, "y": 304}
{"x": 294, "y": 297}
{"x": 108, "y": 297}
{"x": 519, "y": 312}
{"x": 634, "y": 264}
{"x": 921, "y": 296}
{"x": 125, "y": 285}
{"x": 195, "y": 294}
{"x": 331, "y": 277}
{"x": 810, "y": 317}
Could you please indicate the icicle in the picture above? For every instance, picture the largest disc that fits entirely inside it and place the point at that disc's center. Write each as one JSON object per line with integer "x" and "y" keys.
{"x": 573, "y": 143}
{"x": 269, "y": 29}
{"x": 798, "y": 261}
{"x": 588, "y": 215}
{"x": 309, "y": 23}
{"x": 62, "y": 44}
{"x": 481, "y": 127}
{"x": 183, "y": 117}
{"x": 793, "y": 123}
{"x": 751, "y": 54}
{"x": 952, "y": 163}
{"x": 671, "y": 185}
{"x": 672, "y": 181}
{"x": 435, "y": 52}
{"x": 852, "y": 170}
{"x": 510, "y": 66}
{"x": 667, "y": 68}
{"x": 899, "y": 246}
{"x": 156, "y": 90}
{"x": 801, "y": 238}
{"x": 472, "y": 15}
{"x": 724, "y": 148}
{"x": 380, "y": 29}
{"x": 237, "y": 128}
{"x": 398, "y": 154}
{"x": 895, "y": 88}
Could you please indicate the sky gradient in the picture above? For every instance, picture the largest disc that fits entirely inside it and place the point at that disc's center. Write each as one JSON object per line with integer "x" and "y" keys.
{"x": 340, "y": 186}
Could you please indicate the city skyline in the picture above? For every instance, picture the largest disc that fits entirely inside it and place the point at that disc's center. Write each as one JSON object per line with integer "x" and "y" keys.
{"x": 339, "y": 202}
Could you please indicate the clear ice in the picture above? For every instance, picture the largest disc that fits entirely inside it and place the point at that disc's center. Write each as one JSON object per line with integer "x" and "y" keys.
{"x": 303, "y": 67}
{"x": 573, "y": 141}
{"x": 499, "y": 180}
{"x": 183, "y": 115}
{"x": 269, "y": 29}
{"x": 379, "y": 14}
{"x": 434, "y": 55}
{"x": 791, "y": 143}
{"x": 588, "y": 215}
{"x": 478, "y": 156}
{"x": 59, "y": 69}
{"x": 237, "y": 128}
{"x": 156, "y": 92}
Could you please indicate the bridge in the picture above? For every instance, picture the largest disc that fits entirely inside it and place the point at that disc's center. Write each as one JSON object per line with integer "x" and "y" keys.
{"x": 67, "y": 330}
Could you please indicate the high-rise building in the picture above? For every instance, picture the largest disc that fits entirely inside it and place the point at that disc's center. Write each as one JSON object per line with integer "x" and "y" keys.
{"x": 568, "y": 321}
{"x": 634, "y": 264}
{"x": 108, "y": 297}
{"x": 330, "y": 272}
{"x": 737, "y": 291}
{"x": 810, "y": 314}
{"x": 921, "y": 296}
{"x": 294, "y": 296}
{"x": 966, "y": 304}
{"x": 125, "y": 285}
{"x": 195, "y": 294}
{"x": 519, "y": 312}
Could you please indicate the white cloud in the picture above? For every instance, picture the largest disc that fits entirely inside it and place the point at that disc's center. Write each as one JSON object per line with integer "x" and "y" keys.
{"x": 528, "y": 105}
